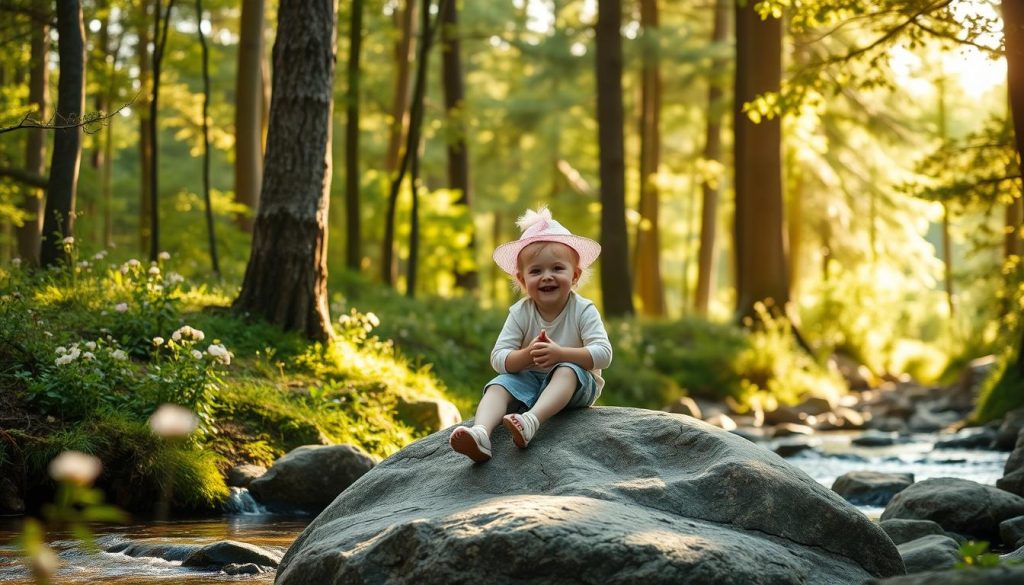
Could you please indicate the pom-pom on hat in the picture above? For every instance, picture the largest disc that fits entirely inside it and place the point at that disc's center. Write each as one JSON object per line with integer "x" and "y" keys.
{"x": 538, "y": 226}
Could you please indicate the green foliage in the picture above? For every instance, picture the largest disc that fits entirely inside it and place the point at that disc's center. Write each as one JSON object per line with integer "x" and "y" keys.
{"x": 975, "y": 555}
{"x": 1002, "y": 391}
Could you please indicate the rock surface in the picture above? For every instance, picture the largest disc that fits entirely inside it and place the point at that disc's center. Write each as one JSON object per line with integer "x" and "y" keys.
{"x": 242, "y": 475}
{"x": 958, "y": 505}
{"x": 308, "y": 478}
{"x": 871, "y": 488}
{"x": 1013, "y": 473}
{"x": 429, "y": 414}
{"x": 901, "y": 530}
{"x": 1004, "y": 575}
{"x": 602, "y": 495}
{"x": 929, "y": 553}
{"x": 230, "y": 552}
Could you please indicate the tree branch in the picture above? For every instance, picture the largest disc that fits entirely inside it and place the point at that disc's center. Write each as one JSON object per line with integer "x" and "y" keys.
{"x": 90, "y": 123}
{"x": 23, "y": 176}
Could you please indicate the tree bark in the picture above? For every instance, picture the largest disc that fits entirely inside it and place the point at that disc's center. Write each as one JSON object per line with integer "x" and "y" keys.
{"x": 399, "y": 124}
{"x": 35, "y": 147}
{"x": 286, "y": 277}
{"x": 650, "y": 289}
{"x": 458, "y": 153}
{"x": 145, "y": 129}
{"x": 59, "y": 220}
{"x": 353, "y": 239}
{"x": 211, "y": 236}
{"x": 712, "y": 153}
{"x": 616, "y": 289}
{"x": 159, "y": 44}
{"x": 249, "y": 112}
{"x": 1013, "y": 37}
{"x": 761, "y": 271}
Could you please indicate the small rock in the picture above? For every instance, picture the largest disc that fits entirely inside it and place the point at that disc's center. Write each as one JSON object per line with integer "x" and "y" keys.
{"x": 246, "y": 569}
{"x": 1010, "y": 429}
{"x": 430, "y": 414}
{"x": 902, "y": 530}
{"x": 791, "y": 449}
{"x": 875, "y": 439}
{"x": 228, "y": 552}
{"x": 958, "y": 505}
{"x": 790, "y": 429}
{"x": 929, "y": 553}
{"x": 1012, "y": 531}
{"x": 983, "y": 438}
{"x": 871, "y": 488}
{"x": 242, "y": 475}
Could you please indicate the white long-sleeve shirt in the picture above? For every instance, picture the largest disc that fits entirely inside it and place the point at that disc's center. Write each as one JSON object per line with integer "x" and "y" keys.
{"x": 578, "y": 325}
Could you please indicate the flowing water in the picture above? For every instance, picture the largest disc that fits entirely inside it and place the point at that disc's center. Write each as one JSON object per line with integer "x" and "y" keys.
{"x": 832, "y": 455}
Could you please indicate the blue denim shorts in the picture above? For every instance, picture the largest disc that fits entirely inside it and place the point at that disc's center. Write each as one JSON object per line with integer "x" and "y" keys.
{"x": 527, "y": 385}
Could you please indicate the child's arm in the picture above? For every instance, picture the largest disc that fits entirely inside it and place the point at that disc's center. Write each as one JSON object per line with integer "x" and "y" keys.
{"x": 507, "y": 357}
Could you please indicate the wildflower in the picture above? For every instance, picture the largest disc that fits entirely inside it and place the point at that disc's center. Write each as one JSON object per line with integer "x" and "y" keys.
{"x": 88, "y": 356}
{"x": 158, "y": 341}
{"x": 373, "y": 319}
{"x": 187, "y": 333}
{"x": 69, "y": 241}
{"x": 61, "y": 350}
{"x": 121, "y": 307}
{"x": 220, "y": 353}
{"x": 119, "y": 355}
{"x": 75, "y": 467}
{"x": 15, "y": 262}
{"x": 154, "y": 271}
{"x": 90, "y": 345}
{"x": 197, "y": 354}
{"x": 175, "y": 278}
{"x": 164, "y": 255}
{"x": 83, "y": 264}
{"x": 133, "y": 263}
{"x": 47, "y": 333}
{"x": 99, "y": 255}
{"x": 68, "y": 357}
{"x": 173, "y": 421}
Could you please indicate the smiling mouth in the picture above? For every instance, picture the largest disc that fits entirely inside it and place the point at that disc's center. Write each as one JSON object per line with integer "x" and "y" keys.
{"x": 548, "y": 288}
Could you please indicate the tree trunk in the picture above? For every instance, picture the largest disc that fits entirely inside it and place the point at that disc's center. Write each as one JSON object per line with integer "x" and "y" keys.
{"x": 249, "y": 111}
{"x": 761, "y": 272}
{"x": 59, "y": 220}
{"x": 650, "y": 289}
{"x": 286, "y": 278}
{"x": 616, "y": 290}
{"x": 399, "y": 124}
{"x": 145, "y": 129}
{"x": 1013, "y": 36}
{"x": 35, "y": 147}
{"x": 353, "y": 254}
{"x": 458, "y": 153}
{"x": 210, "y": 231}
{"x": 159, "y": 44}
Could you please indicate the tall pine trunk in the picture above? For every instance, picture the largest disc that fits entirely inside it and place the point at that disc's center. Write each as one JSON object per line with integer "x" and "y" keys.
{"x": 59, "y": 219}
{"x": 458, "y": 153}
{"x": 145, "y": 129}
{"x": 761, "y": 272}
{"x": 353, "y": 255}
{"x": 649, "y": 287}
{"x": 249, "y": 111}
{"x": 161, "y": 23}
{"x": 286, "y": 278}
{"x": 35, "y": 147}
{"x": 211, "y": 236}
{"x": 1013, "y": 33}
{"x": 616, "y": 289}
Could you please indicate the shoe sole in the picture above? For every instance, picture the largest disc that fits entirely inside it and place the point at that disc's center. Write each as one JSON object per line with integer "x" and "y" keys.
{"x": 463, "y": 442}
{"x": 517, "y": 434}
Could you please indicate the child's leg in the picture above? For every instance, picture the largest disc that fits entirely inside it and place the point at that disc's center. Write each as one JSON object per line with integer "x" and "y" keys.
{"x": 556, "y": 395}
{"x": 492, "y": 407}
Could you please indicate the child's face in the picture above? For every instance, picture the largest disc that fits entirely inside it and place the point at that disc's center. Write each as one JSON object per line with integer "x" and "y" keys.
{"x": 547, "y": 272}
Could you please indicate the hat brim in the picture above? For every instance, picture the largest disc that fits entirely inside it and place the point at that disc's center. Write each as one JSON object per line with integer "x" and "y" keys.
{"x": 506, "y": 256}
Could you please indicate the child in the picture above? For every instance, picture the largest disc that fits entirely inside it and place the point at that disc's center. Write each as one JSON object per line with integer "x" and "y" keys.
{"x": 553, "y": 346}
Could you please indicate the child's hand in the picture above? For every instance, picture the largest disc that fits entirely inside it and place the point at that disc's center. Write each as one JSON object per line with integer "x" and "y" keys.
{"x": 545, "y": 353}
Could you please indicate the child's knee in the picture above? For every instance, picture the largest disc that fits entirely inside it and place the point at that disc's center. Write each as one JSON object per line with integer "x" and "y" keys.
{"x": 564, "y": 373}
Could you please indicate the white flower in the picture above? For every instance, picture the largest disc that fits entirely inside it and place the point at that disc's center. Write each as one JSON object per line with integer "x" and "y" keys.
{"x": 121, "y": 307}
{"x": 158, "y": 341}
{"x": 15, "y": 262}
{"x": 373, "y": 319}
{"x": 119, "y": 355}
{"x": 124, "y": 269}
{"x": 99, "y": 255}
{"x": 154, "y": 271}
{"x": 69, "y": 241}
{"x": 90, "y": 345}
{"x": 220, "y": 353}
{"x": 61, "y": 350}
{"x": 68, "y": 357}
{"x": 88, "y": 356}
{"x": 133, "y": 263}
{"x": 47, "y": 333}
{"x": 186, "y": 332}
{"x": 75, "y": 467}
{"x": 197, "y": 354}
{"x": 171, "y": 420}
{"x": 83, "y": 264}
{"x": 164, "y": 255}
{"x": 175, "y": 278}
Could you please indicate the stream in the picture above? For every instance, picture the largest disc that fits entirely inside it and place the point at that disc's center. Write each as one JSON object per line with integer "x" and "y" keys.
{"x": 832, "y": 454}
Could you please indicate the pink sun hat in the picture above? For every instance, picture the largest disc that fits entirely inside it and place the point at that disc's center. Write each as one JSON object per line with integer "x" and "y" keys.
{"x": 538, "y": 226}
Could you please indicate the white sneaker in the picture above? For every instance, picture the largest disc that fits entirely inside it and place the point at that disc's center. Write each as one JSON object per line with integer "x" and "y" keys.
{"x": 472, "y": 442}
{"x": 522, "y": 427}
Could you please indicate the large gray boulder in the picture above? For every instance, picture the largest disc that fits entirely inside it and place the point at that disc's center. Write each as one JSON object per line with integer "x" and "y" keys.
{"x": 1002, "y": 575}
{"x": 1013, "y": 472}
{"x": 308, "y": 478}
{"x": 602, "y": 495}
{"x": 1010, "y": 429}
{"x": 958, "y": 505}
{"x": 901, "y": 530}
